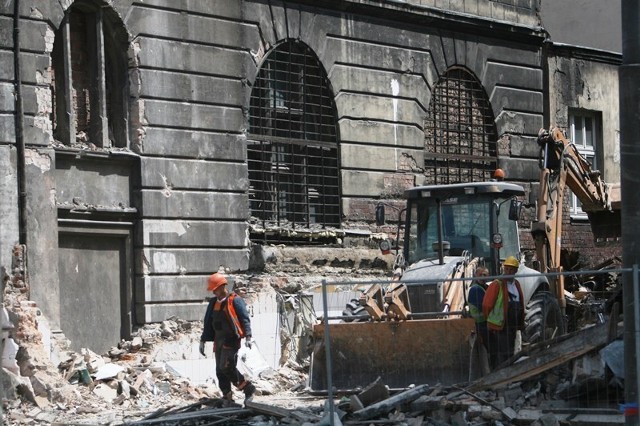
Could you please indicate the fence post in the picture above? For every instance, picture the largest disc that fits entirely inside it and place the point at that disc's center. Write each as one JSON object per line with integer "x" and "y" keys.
{"x": 636, "y": 328}
{"x": 327, "y": 349}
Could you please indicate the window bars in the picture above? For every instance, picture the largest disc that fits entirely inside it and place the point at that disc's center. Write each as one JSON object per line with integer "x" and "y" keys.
{"x": 292, "y": 143}
{"x": 460, "y": 135}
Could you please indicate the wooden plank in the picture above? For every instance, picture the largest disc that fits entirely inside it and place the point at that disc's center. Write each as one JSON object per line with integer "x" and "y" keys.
{"x": 269, "y": 410}
{"x": 390, "y": 403}
{"x": 545, "y": 358}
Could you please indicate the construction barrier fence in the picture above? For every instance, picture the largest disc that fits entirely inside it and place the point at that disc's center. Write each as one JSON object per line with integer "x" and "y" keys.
{"x": 570, "y": 350}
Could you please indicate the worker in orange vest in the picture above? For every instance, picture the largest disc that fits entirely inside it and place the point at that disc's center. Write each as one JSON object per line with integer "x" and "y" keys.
{"x": 226, "y": 323}
{"x": 503, "y": 307}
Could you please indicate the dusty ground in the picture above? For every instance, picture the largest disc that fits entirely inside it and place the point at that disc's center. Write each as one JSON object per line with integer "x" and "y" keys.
{"x": 137, "y": 387}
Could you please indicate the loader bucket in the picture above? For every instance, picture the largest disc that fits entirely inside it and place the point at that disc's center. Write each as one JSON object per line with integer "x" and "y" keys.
{"x": 425, "y": 351}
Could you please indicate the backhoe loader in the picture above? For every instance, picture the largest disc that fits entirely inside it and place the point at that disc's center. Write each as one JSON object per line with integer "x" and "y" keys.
{"x": 417, "y": 329}
{"x": 418, "y": 332}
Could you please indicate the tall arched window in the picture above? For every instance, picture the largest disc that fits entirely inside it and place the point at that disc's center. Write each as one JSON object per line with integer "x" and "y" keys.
{"x": 460, "y": 134}
{"x": 292, "y": 142}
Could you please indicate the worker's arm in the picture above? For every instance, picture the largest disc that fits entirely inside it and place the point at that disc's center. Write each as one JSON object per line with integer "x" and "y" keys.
{"x": 475, "y": 297}
{"x": 208, "y": 333}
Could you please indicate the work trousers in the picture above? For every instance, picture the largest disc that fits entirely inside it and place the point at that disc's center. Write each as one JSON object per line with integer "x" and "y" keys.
{"x": 502, "y": 342}
{"x": 226, "y": 367}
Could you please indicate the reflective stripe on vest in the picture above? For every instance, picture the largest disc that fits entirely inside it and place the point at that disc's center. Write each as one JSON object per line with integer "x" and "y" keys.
{"x": 474, "y": 311}
{"x": 496, "y": 316}
{"x": 230, "y": 313}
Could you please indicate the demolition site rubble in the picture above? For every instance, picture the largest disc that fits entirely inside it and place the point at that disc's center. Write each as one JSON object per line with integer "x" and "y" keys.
{"x": 572, "y": 379}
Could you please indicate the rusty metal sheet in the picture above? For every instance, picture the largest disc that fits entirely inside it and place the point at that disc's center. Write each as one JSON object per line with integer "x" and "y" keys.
{"x": 426, "y": 351}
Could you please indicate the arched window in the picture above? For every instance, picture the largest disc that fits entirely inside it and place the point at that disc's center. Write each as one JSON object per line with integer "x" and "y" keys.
{"x": 89, "y": 78}
{"x": 460, "y": 134}
{"x": 292, "y": 142}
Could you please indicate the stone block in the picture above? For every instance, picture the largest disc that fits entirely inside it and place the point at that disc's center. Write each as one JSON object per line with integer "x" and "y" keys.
{"x": 520, "y": 168}
{"x": 504, "y": 98}
{"x": 381, "y": 133}
{"x": 379, "y": 158}
{"x": 522, "y": 146}
{"x": 372, "y": 107}
{"x": 195, "y": 205}
{"x": 511, "y": 75}
{"x": 194, "y": 144}
{"x": 232, "y": 9}
{"x": 169, "y": 288}
{"x": 407, "y": 86}
{"x": 518, "y": 123}
{"x": 181, "y": 233}
{"x": 176, "y": 174}
{"x": 197, "y": 117}
{"x": 192, "y": 260}
{"x": 374, "y": 55}
{"x": 148, "y": 313}
{"x": 190, "y": 27}
{"x": 209, "y": 60}
{"x": 362, "y": 184}
{"x": 192, "y": 88}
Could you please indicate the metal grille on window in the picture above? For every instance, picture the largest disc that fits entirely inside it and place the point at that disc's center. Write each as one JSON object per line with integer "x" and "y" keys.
{"x": 460, "y": 135}
{"x": 292, "y": 143}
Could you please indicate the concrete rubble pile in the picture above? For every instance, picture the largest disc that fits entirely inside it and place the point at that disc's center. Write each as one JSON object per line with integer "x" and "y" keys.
{"x": 120, "y": 386}
{"x": 49, "y": 384}
{"x": 127, "y": 386}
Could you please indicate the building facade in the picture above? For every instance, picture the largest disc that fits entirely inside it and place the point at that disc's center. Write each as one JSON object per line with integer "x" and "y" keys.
{"x": 145, "y": 144}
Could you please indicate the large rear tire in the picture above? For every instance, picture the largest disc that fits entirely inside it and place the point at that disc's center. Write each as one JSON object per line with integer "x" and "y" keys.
{"x": 543, "y": 319}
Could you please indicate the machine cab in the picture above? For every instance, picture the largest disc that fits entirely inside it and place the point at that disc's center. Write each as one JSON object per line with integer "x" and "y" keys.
{"x": 473, "y": 219}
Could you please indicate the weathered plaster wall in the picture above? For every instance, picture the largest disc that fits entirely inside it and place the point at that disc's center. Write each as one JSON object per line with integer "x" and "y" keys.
{"x": 576, "y": 82}
{"x": 580, "y": 79}
{"x": 9, "y": 232}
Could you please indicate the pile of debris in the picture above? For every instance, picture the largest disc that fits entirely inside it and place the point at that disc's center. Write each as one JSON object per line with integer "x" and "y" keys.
{"x": 550, "y": 383}
{"x": 123, "y": 385}
{"x": 128, "y": 386}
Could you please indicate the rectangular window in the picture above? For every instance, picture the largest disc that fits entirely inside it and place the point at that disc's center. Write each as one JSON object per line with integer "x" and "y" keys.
{"x": 584, "y": 133}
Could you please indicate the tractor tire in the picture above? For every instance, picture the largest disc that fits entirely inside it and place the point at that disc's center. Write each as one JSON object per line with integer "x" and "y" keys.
{"x": 543, "y": 319}
{"x": 355, "y": 312}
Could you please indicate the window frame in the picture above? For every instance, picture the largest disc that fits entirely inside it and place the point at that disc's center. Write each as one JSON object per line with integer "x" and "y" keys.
{"x": 446, "y": 159}
{"x": 293, "y": 145}
{"x": 105, "y": 46}
{"x": 587, "y": 148}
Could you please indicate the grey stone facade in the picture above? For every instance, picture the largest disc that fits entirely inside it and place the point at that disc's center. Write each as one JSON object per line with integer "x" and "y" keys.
{"x": 138, "y": 221}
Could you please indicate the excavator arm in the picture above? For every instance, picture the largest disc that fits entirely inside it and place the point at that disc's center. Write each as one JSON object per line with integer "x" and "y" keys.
{"x": 563, "y": 166}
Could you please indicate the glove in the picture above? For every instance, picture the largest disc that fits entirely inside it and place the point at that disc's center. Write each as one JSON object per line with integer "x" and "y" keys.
{"x": 248, "y": 342}
{"x": 202, "y": 348}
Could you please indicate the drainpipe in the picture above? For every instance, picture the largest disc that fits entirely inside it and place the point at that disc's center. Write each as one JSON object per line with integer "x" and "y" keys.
{"x": 629, "y": 175}
{"x": 19, "y": 126}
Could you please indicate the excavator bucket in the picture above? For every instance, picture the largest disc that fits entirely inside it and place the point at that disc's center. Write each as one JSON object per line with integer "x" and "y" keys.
{"x": 401, "y": 353}
{"x": 606, "y": 227}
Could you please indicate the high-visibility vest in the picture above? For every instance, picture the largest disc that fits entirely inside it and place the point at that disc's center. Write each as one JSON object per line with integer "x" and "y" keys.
{"x": 230, "y": 313}
{"x": 474, "y": 311}
{"x": 496, "y": 316}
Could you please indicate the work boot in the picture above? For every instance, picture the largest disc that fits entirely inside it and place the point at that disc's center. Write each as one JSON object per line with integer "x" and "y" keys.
{"x": 249, "y": 389}
{"x": 227, "y": 399}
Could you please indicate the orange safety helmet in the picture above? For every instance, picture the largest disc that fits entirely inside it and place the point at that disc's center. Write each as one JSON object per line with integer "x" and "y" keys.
{"x": 498, "y": 174}
{"x": 216, "y": 280}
